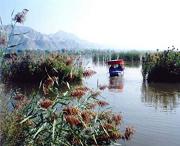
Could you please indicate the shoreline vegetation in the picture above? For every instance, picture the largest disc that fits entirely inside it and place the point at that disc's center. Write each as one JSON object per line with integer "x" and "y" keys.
{"x": 69, "y": 118}
{"x": 35, "y": 67}
{"x": 106, "y": 55}
{"x": 162, "y": 66}
{"x": 129, "y": 56}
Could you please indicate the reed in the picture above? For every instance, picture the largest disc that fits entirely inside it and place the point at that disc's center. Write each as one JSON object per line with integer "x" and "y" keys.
{"x": 72, "y": 118}
{"x": 33, "y": 67}
{"x": 162, "y": 66}
{"x": 130, "y": 56}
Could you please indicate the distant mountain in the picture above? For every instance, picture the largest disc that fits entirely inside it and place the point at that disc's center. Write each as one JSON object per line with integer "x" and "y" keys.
{"x": 36, "y": 40}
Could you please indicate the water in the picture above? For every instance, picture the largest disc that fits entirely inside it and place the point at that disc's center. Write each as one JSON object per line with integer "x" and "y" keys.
{"x": 152, "y": 109}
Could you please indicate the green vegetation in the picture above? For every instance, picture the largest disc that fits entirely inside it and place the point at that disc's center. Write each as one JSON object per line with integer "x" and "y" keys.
{"x": 11, "y": 133}
{"x": 130, "y": 56}
{"x": 75, "y": 117}
{"x": 33, "y": 67}
{"x": 106, "y": 55}
{"x": 162, "y": 66}
{"x": 52, "y": 117}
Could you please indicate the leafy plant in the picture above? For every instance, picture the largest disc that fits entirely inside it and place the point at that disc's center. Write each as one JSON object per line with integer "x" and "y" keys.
{"x": 35, "y": 67}
{"x": 162, "y": 66}
{"x": 75, "y": 117}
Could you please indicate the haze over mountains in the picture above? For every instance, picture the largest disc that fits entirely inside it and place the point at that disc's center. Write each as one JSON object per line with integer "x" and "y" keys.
{"x": 59, "y": 40}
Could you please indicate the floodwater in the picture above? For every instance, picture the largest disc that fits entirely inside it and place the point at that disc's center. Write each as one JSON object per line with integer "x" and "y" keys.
{"x": 152, "y": 109}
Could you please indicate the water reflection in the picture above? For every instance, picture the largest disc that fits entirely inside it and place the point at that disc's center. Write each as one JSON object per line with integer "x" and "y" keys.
{"x": 5, "y": 97}
{"x": 116, "y": 84}
{"x": 158, "y": 95}
{"x": 157, "y": 125}
{"x": 132, "y": 64}
{"x": 26, "y": 89}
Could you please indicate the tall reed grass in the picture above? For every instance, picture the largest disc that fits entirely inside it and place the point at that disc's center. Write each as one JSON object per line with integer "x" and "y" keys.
{"x": 162, "y": 66}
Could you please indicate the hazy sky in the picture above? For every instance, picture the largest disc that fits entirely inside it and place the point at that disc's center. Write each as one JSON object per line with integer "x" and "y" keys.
{"x": 131, "y": 24}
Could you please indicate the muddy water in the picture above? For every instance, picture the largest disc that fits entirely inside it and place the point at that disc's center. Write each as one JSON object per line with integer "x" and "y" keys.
{"x": 153, "y": 109}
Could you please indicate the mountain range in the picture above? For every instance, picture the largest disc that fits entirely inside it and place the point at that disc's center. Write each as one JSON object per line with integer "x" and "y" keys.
{"x": 32, "y": 39}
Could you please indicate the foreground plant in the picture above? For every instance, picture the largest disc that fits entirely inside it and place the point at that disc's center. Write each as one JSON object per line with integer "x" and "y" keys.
{"x": 8, "y": 34}
{"x": 68, "y": 119}
{"x": 7, "y": 31}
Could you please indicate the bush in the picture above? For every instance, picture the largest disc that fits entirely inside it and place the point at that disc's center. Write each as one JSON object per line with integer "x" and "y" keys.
{"x": 32, "y": 67}
{"x": 162, "y": 66}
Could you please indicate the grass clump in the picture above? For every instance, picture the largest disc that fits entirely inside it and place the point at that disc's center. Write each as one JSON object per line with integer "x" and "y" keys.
{"x": 162, "y": 66}
{"x": 34, "y": 67}
{"x": 12, "y": 133}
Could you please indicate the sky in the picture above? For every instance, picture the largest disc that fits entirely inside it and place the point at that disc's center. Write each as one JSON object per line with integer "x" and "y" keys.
{"x": 123, "y": 24}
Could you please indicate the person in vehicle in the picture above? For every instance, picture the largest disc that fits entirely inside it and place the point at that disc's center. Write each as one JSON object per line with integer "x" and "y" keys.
{"x": 119, "y": 68}
{"x": 111, "y": 68}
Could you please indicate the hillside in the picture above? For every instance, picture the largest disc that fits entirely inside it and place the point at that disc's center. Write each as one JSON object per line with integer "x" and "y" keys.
{"x": 33, "y": 39}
